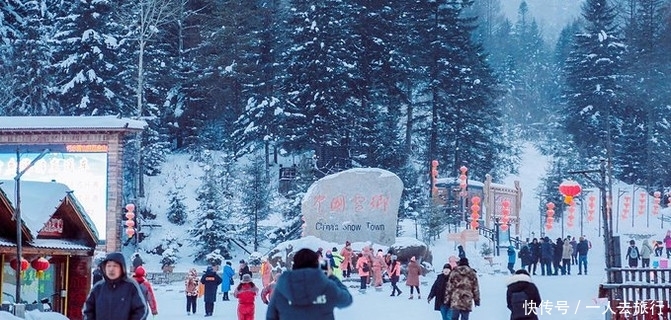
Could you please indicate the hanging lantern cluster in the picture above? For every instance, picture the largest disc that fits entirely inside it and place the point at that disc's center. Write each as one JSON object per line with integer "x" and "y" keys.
{"x": 505, "y": 214}
{"x": 591, "y": 208}
{"x": 626, "y": 206}
{"x": 549, "y": 215}
{"x": 655, "y": 202}
{"x": 434, "y": 177}
{"x": 569, "y": 189}
{"x": 462, "y": 180}
{"x": 642, "y": 197}
{"x": 475, "y": 212}
{"x": 15, "y": 265}
{"x": 40, "y": 265}
{"x": 130, "y": 220}
{"x": 571, "y": 215}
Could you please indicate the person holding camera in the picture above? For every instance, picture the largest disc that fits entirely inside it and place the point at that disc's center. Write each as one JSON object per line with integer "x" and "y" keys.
{"x": 306, "y": 291}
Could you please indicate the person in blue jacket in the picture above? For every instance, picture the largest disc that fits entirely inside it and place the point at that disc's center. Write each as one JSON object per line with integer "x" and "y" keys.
{"x": 116, "y": 297}
{"x": 306, "y": 292}
{"x": 227, "y": 280}
{"x": 512, "y": 256}
{"x": 210, "y": 281}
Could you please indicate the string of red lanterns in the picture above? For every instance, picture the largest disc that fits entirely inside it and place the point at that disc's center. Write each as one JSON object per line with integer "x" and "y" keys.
{"x": 505, "y": 214}
{"x": 642, "y": 197}
{"x": 549, "y": 215}
{"x": 130, "y": 222}
{"x": 462, "y": 180}
{"x": 571, "y": 215}
{"x": 475, "y": 209}
{"x": 591, "y": 208}
{"x": 655, "y": 204}
{"x": 625, "y": 207}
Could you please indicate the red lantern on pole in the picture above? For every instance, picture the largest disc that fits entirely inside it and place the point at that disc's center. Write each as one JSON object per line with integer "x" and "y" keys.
{"x": 505, "y": 211}
{"x": 571, "y": 214}
{"x": 656, "y": 200}
{"x": 642, "y": 198}
{"x": 550, "y": 215}
{"x": 475, "y": 215}
{"x": 40, "y": 265}
{"x": 625, "y": 207}
{"x": 569, "y": 189}
{"x": 591, "y": 208}
{"x": 130, "y": 223}
{"x": 463, "y": 180}
{"x": 15, "y": 266}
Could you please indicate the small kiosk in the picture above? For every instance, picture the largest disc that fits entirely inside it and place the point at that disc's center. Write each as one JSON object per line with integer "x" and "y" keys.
{"x": 58, "y": 242}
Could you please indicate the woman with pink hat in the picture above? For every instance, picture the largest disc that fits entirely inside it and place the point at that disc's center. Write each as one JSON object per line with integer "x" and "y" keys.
{"x": 412, "y": 279}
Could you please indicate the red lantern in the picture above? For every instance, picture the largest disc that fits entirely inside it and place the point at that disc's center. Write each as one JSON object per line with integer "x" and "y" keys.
{"x": 549, "y": 213}
{"x": 130, "y": 215}
{"x": 24, "y": 264}
{"x": 40, "y": 265}
{"x": 475, "y": 208}
{"x": 569, "y": 189}
{"x": 656, "y": 200}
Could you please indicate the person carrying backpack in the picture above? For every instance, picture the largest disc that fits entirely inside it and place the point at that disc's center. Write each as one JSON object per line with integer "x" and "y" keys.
{"x": 522, "y": 296}
{"x": 633, "y": 254}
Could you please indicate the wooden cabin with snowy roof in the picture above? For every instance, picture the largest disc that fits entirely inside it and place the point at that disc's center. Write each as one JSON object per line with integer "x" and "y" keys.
{"x": 58, "y": 243}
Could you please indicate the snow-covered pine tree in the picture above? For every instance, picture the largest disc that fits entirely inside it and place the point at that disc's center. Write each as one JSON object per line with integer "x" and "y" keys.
{"x": 212, "y": 228}
{"x": 255, "y": 200}
{"x": 169, "y": 248}
{"x": 177, "y": 213}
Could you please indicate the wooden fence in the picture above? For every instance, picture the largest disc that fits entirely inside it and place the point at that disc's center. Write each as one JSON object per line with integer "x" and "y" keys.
{"x": 638, "y": 293}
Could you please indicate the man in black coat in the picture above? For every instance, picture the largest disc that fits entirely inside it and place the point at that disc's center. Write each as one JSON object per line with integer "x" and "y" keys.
{"x": 535, "y": 254}
{"x": 583, "y": 248}
{"x": 210, "y": 280}
{"x": 438, "y": 291}
{"x": 117, "y": 297}
{"x": 556, "y": 259}
{"x": 522, "y": 297}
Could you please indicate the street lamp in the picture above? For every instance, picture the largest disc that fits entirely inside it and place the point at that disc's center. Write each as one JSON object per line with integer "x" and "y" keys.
{"x": 17, "y": 214}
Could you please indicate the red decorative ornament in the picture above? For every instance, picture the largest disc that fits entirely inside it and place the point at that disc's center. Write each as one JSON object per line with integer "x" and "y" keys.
{"x": 40, "y": 265}
{"x": 550, "y": 215}
{"x": 656, "y": 201}
{"x": 130, "y": 224}
{"x": 462, "y": 180}
{"x": 475, "y": 208}
{"x": 24, "y": 264}
{"x": 569, "y": 189}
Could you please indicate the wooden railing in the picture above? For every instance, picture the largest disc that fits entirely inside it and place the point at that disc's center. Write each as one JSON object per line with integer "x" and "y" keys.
{"x": 627, "y": 287}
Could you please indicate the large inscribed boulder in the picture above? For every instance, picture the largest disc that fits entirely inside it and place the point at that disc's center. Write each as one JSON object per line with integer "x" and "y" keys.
{"x": 353, "y": 205}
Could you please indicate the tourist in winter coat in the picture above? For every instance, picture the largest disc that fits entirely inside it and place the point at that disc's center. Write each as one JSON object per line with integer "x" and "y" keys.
{"x": 210, "y": 280}
{"x": 535, "y": 255}
{"x": 129, "y": 302}
{"x": 363, "y": 269}
{"x": 337, "y": 262}
{"x": 462, "y": 290}
{"x": 558, "y": 249}
{"x": 512, "y": 257}
{"x": 191, "y": 283}
{"x": 438, "y": 291}
{"x": 368, "y": 256}
{"x": 646, "y": 252}
{"x": 667, "y": 244}
{"x": 462, "y": 253}
{"x": 394, "y": 275}
{"x": 137, "y": 261}
{"x": 243, "y": 269}
{"x": 583, "y": 248}
{"x": 227, "y": 280}
{"x": 525, "y": 256}
{"x": 246, "y": 293}
{"x": 378, "y": 268}
{"x": 267, "y": 292}
{"x": 574, "y": 246}
{"x": 633, "y": 255}
{"x": 266, "y": 272}
{"x": 567, "y": 253}
{"x": 346, "y": 265}
{"x": 148, "y": 290}
{"x": 412, "y": 278}
{"x": 547, "y": 254}
{"x": 522, "y": 296}
{"x": 306, "y": 292}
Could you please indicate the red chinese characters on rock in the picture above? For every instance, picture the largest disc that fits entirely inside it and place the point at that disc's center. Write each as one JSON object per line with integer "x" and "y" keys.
{"x": 359, "y": 203}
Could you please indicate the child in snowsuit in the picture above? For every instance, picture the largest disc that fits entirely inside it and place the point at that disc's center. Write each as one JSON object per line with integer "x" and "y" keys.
{"x": 246, "y": 294}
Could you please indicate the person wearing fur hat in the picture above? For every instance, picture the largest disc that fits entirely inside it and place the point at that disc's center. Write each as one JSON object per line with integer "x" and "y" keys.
{"x": 522, "y": 296}
{"x": 115, "y": 286}
{"x": 394, "y": 275}
{"x": 412, "y": 278}
{"x": 306, "y": 292}
{"x": 266, "y": 272}
{"x": 210, "y": 280}
{"x": 438, "y": 290}
{"x": 246, "y": 293}
{"x": 462, "y": 290}
{"x": 346, "y": 253}
{"x": 191, "y": 283}
{"x": 147, "y": 289}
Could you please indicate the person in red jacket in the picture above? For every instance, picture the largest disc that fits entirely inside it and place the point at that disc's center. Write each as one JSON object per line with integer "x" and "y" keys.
{"x": 147, "y": 289}
{"x": 346, "y": 265}
{"x": 246, "y": 294}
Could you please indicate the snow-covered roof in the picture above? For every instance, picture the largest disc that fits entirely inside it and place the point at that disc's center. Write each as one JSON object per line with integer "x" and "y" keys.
{"x": 39, "y": 201}
{"x": 48, "y": 244}
{"x": 60, "y": 123}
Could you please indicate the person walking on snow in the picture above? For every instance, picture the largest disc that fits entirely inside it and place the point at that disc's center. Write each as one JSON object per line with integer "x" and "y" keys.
{"x": 567, "y": 253}
{"x": 336, "y": 261}
{"x": 583, "y": 248}
{"x": 462, "y": 290}
{"x": 246, "y": 293}
{"x": 394, "y": 275}
{"x": 412, "y": 278}
{"x": 148, "y": 290}
{"x": 378, "y": 266}
{"x": 525, "y": 256}
{"x": 267, "y": 292}
{"x": 363, "y": 269}
{"x": 210, "y": 280}
{"x": 266, "y": 272}
{"x": 574, "y": 246}
{"x": 633, "y": 254}
{"x": 646, "y": 252}
{"x": 438, "y": 290}
{"x": 535, "y": 248}
{"x": 191, "y": 284}
{"x": 522, "y": 296}
{"x": 346, "y": 265}
{"x": 227, "y": 280}
{"x": 512, "y": 257}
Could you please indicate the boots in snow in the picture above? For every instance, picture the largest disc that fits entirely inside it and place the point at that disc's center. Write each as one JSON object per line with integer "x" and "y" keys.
{"x": 411, "y": 297}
